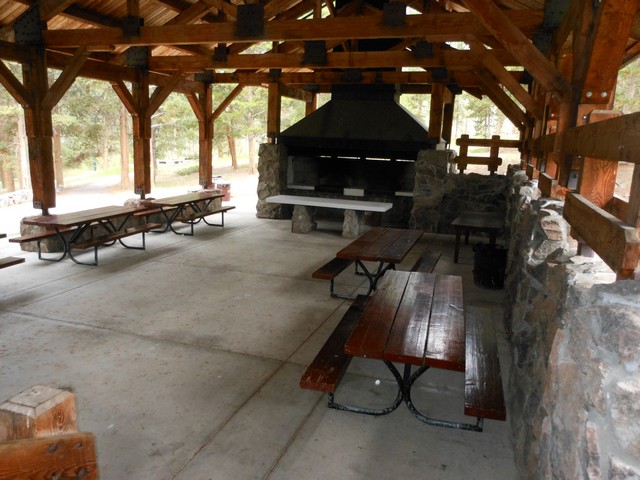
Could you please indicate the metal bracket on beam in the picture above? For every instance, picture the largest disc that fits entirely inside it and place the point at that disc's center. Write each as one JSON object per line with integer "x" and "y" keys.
{"x": 315, "y": 52}
{"x": 220, "y": 53}
{"x": 422, "y": 49}
{"x": 204, "y": 77}
{"x": 28, "y": 27}
{"x": 137, "y": 57}
{"x": 250, "y": 20}
{"x": 454, "y": 88}
{"x": 131, "y": 26}
{"x": 352, "y": 75}
{"x": 439, "y": 74}
{"x": 393, "y": 14}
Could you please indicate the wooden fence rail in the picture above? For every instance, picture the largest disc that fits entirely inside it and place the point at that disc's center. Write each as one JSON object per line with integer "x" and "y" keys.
{"x": 607, "y": 224}
{"x": 493, "y": 161}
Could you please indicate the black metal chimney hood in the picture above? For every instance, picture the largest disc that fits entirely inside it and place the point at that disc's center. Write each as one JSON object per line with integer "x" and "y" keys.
{"x": 359, "y": 121}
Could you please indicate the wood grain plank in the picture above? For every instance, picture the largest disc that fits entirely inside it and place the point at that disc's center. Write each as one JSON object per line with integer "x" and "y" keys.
{"x": 446, "y": 337}
{"x": 484, "y": 396}
{"x": 71, "y": 455}
{"x": 330, "y": 364}
{"x": 403, "y": 242}
{"x": 362, "y": 243}
{"x": 369, "y": 337}
{"x": 408, "y": 336}
{"x": 616, "y": 242}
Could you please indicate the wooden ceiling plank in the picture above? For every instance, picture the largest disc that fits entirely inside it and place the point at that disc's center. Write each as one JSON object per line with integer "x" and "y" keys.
{"x": 437, "y": 27}
{"x": 66, "y": 78}
{"x": 230, "y": 10}
{"x": 514, "y": 40}
{"x": 191, "y": 14}
{"x": 14, "y": 86}
{"x": 51, "y": 8}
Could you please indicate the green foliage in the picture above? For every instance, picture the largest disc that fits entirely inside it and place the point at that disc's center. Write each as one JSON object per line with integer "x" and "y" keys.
{"x": 175, "y": 129}
{"x": 627, "y": 89}
{"x": 87, "y": 118}
{"x": 183, "y": 172}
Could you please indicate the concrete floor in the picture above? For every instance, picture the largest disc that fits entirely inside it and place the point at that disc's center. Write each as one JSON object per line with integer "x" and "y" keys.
{"x": 185, "y": 360}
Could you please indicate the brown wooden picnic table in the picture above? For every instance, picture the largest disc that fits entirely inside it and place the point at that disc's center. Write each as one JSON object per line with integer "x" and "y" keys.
{"x": 384, "y": 245}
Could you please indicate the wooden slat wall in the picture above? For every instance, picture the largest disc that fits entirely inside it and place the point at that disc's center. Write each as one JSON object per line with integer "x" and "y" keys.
{"x": 611, "y": 233}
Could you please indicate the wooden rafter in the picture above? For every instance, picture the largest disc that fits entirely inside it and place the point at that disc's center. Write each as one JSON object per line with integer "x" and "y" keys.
{"x": 514, "y": 40}
{"x": 614, "y": 21}
{"x": 435, "y": 27}
{"x": 491, "y": 63}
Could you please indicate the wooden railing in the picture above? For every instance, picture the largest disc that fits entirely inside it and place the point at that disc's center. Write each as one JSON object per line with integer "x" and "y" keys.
{"x": 493, "y": 161}
{"x": 607, "y": 224}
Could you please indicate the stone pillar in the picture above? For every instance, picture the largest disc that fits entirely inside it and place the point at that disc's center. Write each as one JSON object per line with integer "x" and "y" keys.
{"x": 353, "y": 225}
{"x": 303, "y": 219}
{"x": 272, "y": 180}
{"x": 429, "y": 187}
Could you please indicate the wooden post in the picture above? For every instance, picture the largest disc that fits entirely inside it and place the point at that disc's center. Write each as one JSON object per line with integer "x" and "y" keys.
{"x": 447, "y": 118}
{"x": 436, "y": 111}
{"x": 273, "y": 114}
{"x": 39, "y": 437}
{"x": 202, "y": 106}
{"x": 141, "y": 135}
{"x": 39, "y": 129}
{"x": 39, "y": 411}
{"x": 311, "y": 106}
{"x": 597, "y": 180}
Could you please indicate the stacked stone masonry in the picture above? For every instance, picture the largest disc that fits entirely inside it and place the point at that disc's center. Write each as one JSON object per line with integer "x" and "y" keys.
{"x": 574, "y": 390}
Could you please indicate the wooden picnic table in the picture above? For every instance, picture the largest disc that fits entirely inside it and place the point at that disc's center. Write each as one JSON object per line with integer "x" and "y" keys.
{"x": 112, "y": 218}
{"x": 188, "y": 208}
{"x": 386, "y": 246}
{"x": 490, "y": 222}
{"x": 418, "y": 319}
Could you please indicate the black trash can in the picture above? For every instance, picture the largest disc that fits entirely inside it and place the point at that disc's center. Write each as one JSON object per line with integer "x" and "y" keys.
{"x": 490, "y": 263}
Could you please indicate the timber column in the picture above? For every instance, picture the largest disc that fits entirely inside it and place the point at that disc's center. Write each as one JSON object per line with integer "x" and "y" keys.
{"x": 202, "y": 106}
{"x": 39, "y": 126}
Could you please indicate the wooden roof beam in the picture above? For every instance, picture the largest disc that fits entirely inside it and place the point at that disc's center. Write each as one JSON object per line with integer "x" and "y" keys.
{"x": 491, "y": 63}
{"x": 434, "y": 27}
{"x": 614, "y": 20}
{"x": 451, "y": 59}
{"x": 501, "y": 99}
{"x": 465, "y": 80}
{"x": 513, "y": 39}
{"x": 15, "y": 88}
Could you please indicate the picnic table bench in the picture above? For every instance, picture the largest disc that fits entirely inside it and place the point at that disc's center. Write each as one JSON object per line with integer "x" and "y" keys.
{"x": 386, "y": 246}
{"x": 417, "y": 320}
{"x": 76, "y": 230}
{"x": 189, "y": 208}
{"x": 9, "y": 261}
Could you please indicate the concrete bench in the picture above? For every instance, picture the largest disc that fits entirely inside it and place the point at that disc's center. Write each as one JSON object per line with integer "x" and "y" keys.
{"x": 304, "y": 212}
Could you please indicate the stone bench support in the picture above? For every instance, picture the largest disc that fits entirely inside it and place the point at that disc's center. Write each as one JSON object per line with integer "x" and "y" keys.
{"x": 304, "y": 210}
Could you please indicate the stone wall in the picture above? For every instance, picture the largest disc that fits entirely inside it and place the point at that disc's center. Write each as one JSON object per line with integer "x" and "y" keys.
{"x": 272, "y": 180}
{"x": 574, "y": 391}
{"x": 440, "y": 194}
